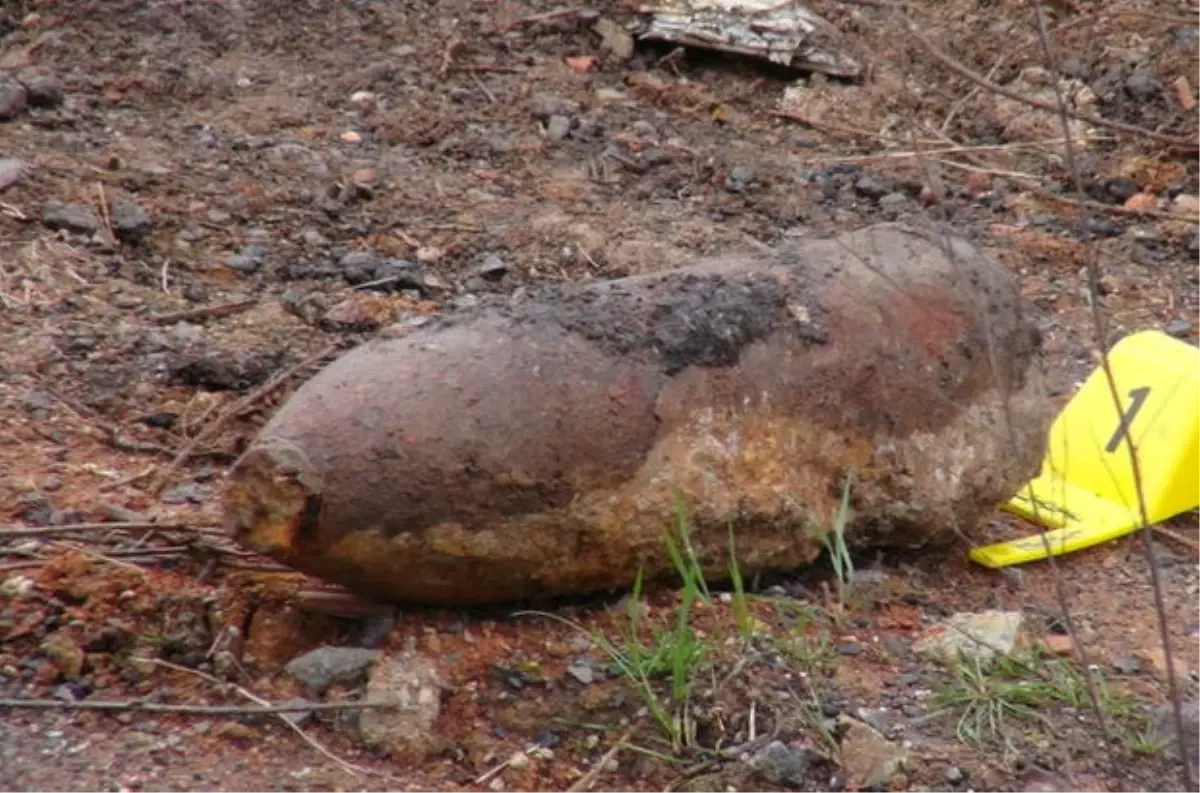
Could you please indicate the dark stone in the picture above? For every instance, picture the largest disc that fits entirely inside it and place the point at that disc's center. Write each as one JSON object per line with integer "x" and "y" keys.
{"x": 1142, "y": 86}
{"x": 129, "y": 220}
{"x": 1121, "y": 189}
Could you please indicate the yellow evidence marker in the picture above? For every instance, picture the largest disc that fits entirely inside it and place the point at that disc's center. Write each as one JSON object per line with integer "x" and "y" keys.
{"x": 1086, "y": 492}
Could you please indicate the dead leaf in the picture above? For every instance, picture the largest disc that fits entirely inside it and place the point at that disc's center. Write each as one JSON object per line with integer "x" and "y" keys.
{"x": 1183, "y": 90}
{"x": 582, "y": 63}
{"x": 1142, "y": 201}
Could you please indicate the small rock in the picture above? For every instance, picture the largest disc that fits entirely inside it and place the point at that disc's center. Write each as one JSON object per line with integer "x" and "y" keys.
{"x": 518, "y": 761}
{"x": 296, "y": 717}
{"x": 1073, "y": 67}
{"x": 129, "y": 220}
{"x": 740, "y": 177}
{"x": 42, "y": 90}
{"x": 849, "y": 648}
{"x": 614, "y": 38}
{"x": 893, "y": 199}
{"x": 1142, "y": 86}
{"x": 185, "y": 493}
{"x": 782, "y": 764}
{"x": 313, "y": 238}
{"x": 1194, "y": 243}
{"x": 868, "y": 758}
{"x": 404, "y": 274}
{"x": 955, "y": 775}
{"x": 582, "y": 672}
{"x": 79, "y": 218}
{"x": 558, "y": 127}
{"x": 250, "y": 259}
{"x": 493, "y": 268}
{"x": 410, "y": 682}
{"x": 1179, "y": 328}
{"x": 358, "y": 266}
{"x": 324, "y": 666}
{"x": 11, "y": 171}
{"x": 1141, "y": 201}
{"x": 13, "y": 98}
{"x": 547, "y": 105}
{"x": 977, "y": 636}
{"x": 870, "y": 187}
{"x": 1121, "y": 189}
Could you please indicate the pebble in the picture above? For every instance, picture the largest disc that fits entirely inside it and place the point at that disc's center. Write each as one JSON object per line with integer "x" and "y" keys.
{"x": 1179, "y": 328}
{"x": 250, "y": 259}
{"x": 1185, "y": 204}
{"x": 893, "y": 199}
{"x": 781, "y": 764}
{"x": 129, "y": 219}
{"x": 870, "y": 187}
{"x": 493, "y": 268}
{"x": 313, "y": 238}
{"x": 42, "y": 90}
{"x": 1121, "y": 189}
{"x": 11, "y": 171}
{"x": 185, "y": 493}
{"x": 1127, "y": 665}
{"x": 1142, "y": 86}
{"x": 1194, "y": 243}
{"x": 13, "y": 98}
{"x": 324, "y": 666}
{"x": 406, "y": 275}
{"x": 582, "y": 672}
{"x": 558, "y": 127}
{"x": 955, "y": 775}
{"x": 849, "y": 648}
{"x": 739, "y": 178}
{"x": 79, "y": 218}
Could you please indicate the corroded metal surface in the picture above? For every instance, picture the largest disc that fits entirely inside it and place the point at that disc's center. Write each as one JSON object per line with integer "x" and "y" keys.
{"x": 538, "y": 447}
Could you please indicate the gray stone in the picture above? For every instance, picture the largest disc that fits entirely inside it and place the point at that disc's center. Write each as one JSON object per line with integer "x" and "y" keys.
{"x": 129, "y": 219}
{"x": 42, "y": 90}
{"x": 739, "y": 178}
{"x": 11, "y": 171}
{"x": 323, "y": 667}
{"x": 582, "y": 672}
{"x": 13, "y": 98}
{"x": 972, "y": 636}
{"x": 493, "y": 268}
{"x": 955, "y": 775}
{"x": 782, "y": 764}
{"x": 1178, "y": 328}
{"x": 1121, "y": 189}
{"x": 296, "y": 718}
{"x": 893, "y": 199}
{"x": 79, "y": 218}
{"x": 870, "y": 187}
{"x": 403, "y": 274}
{"x": 243, "y": 263}
{"x": 558, "y": 127}
{"x": 1143, "y": 86}
{"x": 411, "y": 683}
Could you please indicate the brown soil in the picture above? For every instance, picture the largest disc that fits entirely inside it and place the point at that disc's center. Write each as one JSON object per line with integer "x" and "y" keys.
{"x": 287, "y": 153}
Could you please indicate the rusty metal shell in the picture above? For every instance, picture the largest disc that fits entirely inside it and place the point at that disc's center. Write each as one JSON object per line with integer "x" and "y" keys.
{"x": 539, "y": 447}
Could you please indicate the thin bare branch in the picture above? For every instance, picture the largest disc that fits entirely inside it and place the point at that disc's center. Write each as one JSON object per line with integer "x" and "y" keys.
{"x": 126, "y": 705}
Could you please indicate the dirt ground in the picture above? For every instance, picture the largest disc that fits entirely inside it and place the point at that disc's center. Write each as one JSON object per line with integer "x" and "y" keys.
{"x": 201, "y": 200}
